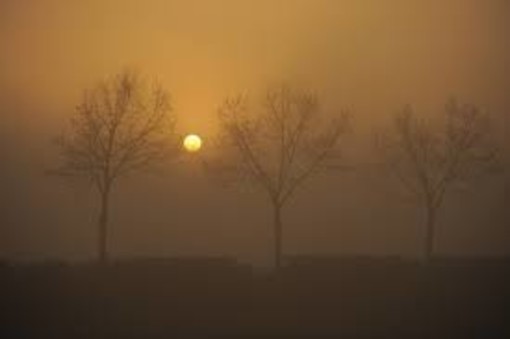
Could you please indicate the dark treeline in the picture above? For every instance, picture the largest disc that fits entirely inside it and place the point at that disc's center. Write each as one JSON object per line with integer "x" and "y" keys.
{"x": 351, "y": 297}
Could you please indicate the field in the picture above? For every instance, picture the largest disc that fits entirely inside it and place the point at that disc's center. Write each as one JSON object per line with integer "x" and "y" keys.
{"x": 309, "y": 298}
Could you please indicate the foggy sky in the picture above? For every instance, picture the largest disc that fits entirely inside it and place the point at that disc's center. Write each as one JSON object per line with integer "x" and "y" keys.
{"x": 371, "y": 57}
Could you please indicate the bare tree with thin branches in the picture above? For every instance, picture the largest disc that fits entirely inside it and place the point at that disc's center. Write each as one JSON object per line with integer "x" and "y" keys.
{"x": 122, "y": 126}
{"x": 429, "y": 161}
{"x": 277, "y": 147}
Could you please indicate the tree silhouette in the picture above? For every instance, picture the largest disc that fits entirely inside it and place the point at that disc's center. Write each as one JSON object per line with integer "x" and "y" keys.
{"x": 122, "y": 125}
{"x": 277, "y": 147}
{"x": 429, "y": 161}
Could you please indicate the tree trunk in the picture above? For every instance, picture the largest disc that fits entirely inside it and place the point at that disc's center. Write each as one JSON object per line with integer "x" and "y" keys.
{"x": 103, "y": 227}
{"x": 428, "y": 285}
{"x": 277, "y": 236}
{"x": 430, "y": 233}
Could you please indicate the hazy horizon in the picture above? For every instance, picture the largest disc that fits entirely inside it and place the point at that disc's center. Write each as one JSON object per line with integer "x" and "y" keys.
{"x": 370, "y": 57}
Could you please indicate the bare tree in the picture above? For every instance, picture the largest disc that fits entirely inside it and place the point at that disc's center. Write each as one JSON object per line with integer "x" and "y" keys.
{"x": 123, "y": 125}
{"x": 277, "y": 147}
{"x": 430, "y": 160}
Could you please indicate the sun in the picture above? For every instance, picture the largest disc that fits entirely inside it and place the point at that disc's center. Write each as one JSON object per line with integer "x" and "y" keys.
{"x": 192, "y": 143}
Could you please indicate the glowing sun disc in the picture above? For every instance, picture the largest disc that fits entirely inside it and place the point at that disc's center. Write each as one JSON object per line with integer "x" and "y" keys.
{"x": 192, "y": 143}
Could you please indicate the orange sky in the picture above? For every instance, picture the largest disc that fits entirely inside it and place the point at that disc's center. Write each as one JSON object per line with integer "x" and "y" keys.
{"x": 392, "y": 51}
{"x": 371, "y": 56}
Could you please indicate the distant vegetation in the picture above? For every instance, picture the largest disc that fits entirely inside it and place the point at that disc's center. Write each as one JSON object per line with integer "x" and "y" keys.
{"x": 430, "y": 161}
{"x": 278, "y": 146}
{"x": 122, "y": 126}
{"x": 125, "y": 125}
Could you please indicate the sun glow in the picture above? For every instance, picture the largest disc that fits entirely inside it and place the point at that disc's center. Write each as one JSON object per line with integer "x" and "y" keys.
{"x": 192, "y": 143}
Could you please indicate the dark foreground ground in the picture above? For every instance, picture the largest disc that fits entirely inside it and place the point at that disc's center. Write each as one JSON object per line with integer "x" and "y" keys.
{"x": 216, "y": 298}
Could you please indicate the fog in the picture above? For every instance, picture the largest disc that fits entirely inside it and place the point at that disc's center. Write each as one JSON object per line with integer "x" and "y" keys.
{"x": 370, "y": 57}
